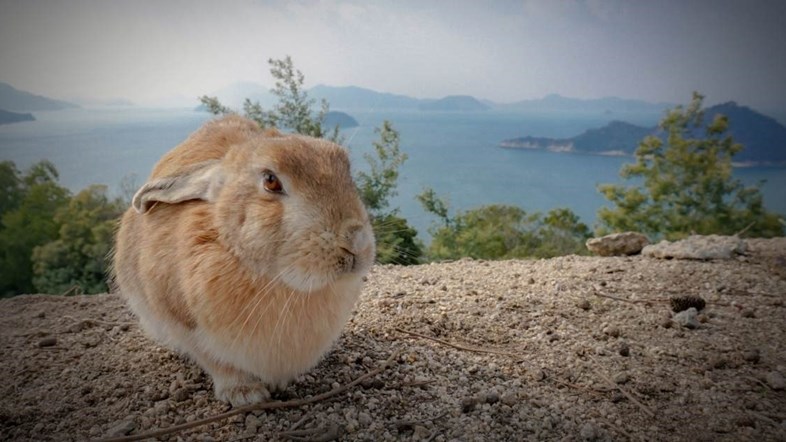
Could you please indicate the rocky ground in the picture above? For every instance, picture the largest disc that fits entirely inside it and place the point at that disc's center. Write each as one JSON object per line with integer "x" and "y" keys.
{"x": 572, "y": 348}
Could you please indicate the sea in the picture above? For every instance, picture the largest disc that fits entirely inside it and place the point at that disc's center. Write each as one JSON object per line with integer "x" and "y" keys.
{"x": 456, "y": 154}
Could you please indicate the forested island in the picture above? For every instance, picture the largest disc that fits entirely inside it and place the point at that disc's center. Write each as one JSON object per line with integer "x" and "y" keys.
{"x": 764, "y": 138}
{"x": 7, "y": 117}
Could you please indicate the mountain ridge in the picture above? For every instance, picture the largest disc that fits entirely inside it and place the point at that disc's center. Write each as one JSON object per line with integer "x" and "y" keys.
{"x": 764, "y": 137}
{"x": 12, "y": 99}
{"x": 7, "y": 117}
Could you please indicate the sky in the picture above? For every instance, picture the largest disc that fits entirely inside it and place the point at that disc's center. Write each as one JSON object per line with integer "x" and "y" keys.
{"x": 166, "y": 52}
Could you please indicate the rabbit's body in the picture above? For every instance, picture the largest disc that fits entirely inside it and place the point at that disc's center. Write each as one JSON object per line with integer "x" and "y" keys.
{"x": 254, "y": 284}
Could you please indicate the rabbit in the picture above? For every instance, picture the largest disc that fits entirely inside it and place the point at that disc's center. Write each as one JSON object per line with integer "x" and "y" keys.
{"x": 246, "y": 250}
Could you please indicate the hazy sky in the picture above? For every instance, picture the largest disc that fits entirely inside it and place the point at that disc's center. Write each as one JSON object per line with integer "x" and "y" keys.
{"x": 149, "y": 51}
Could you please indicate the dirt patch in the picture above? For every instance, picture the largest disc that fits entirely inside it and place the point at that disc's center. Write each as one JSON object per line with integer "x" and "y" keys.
{"x": 572, "y": 348}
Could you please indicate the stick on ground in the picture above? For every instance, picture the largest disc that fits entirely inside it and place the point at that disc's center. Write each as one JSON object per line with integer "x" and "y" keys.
{"x": 256, "y": 407}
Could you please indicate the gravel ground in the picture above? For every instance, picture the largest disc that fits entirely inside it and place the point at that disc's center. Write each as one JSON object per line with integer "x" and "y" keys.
{"x": 571, "y": 348}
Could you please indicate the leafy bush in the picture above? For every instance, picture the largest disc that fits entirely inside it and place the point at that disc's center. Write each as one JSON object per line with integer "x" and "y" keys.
{"x": 27, "y": 220}
{"x": 502, "y": 232}
{"x": 687, "y": 184}
{"x": 78, "y": 259}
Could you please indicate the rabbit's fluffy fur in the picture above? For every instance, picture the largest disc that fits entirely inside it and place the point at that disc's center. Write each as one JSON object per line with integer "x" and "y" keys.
{"x": 253, "y": 284}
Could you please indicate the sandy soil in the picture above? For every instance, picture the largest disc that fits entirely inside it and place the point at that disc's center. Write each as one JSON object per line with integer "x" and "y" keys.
{"x": 572, "y": 348}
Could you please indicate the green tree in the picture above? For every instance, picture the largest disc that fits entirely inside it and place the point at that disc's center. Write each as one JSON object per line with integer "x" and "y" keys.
{"x": 396, "y": 240}
{"x": 293, "y": 111}
{"x": 502, "y": 232}
{"x": 77, "y": 259}
{"x": 29, "y": 224}
{"x": 11, "y": 187}
{"x": 686, "y": 184}
{"x": 378, "y": 185}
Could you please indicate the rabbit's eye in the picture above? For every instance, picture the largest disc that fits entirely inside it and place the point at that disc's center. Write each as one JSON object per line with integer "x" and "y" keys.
{"x": 272, "y": 183}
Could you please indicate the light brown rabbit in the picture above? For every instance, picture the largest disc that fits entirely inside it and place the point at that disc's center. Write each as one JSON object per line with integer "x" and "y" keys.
{"x": 246, "y": 250}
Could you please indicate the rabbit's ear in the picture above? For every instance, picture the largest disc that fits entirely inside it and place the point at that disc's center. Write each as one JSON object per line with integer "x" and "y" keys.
{"x": 199, "y": 181}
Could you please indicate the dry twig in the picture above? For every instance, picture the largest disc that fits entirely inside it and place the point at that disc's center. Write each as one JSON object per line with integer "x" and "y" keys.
{"x": 458, "y": 346}
{"x": 412, "y": 423}
{"x": 256, "y": 407}
{"x": 632, "y": 398}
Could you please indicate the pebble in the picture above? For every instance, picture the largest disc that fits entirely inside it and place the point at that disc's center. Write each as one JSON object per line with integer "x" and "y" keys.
{"x": 364, "y": 419}
{"x": 748, "y": 313}
{"x": 624, "y": 349}
{"x": 751, "y": 355}
{"x": 122, "y": 428}
{"x": 252, "y": 423}
{"x": 181, "y": 394}
{"x": 775, "y": 380}
{"x": 612, "y": 331}
{"x": 588, "y": 432}
{"x": 584, "y": 304}
{"x": 538, "y": 375}
{"x": 468, "y": 404}
{"x": 687, "y": 318}
{"x": 621, "y": 378}
{"x": 509, "y": 398}
{"x": 49, "y": 341}
{"x": 492, "y": 397}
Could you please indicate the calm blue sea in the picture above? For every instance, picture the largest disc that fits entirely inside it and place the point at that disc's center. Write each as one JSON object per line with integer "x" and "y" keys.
{"x": 457, "y": 154}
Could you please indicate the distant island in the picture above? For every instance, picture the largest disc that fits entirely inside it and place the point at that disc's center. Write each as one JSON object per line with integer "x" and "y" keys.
{"x": 340, "y": 119}
{"x": 13, "y": 99}
{"x": 763, "y": 137}
{"x": 7, "y": 117}
{"x": 354, "y": 98}
{"x": 332, "y": 119}
{"x": 455, "y": 103}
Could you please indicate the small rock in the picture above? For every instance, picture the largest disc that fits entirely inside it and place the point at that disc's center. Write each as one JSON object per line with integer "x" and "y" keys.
{"x": 49, "y": 341}
{"x": 531, "y": 281}
{"x": 41, "y": 315}
{"x": 617, "y": 244}
{"x": 588, "y": 432}
{"x": 420, "y": 432}
{"x": 624, "y": 349}
{"x": 181, "y": 394}
{"x": 687, "y": 318}
{"x": 468, "y": 404}
{"x": 775, "y": 380}
{"x": 492, "y": 397}
{"x": 252, "y": 423}
{"x": 751, "y": 355}
{"x": 697, "y": 247}
{"x": 719, "y": 362}
{"x": 538, "y": 375}
{"x": 509, "y": 398}
{"x": 583, "y": 304}
{"x": 621, "y": 378}
{"x": 612, "y": 331}
{"x": 122, "y": 428}
{"x": 364, "y": 419}
{"x": 748, "y": 313}
{"x": 161, "y": 407}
